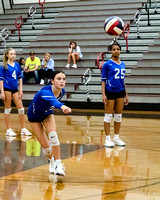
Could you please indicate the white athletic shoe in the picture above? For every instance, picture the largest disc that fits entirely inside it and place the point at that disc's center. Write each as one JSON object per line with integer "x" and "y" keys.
{"x": 10, "y": 133}
{"x": 117, "y": 150}
{"x": 60, "y": 169}
{"x": 24, "y": 138}
{"x": 24, "y": 131}
{"x": 109, "y": 142}
{"x": 68, "y": 65}
{"x": 9, "y": 138}
{"x": 118, "y": 142}
{"x": 74, "y": 66}
{"x": 108, "y": 152}
{"x": 42, "y": 82}
{"x": 52, "y": 165}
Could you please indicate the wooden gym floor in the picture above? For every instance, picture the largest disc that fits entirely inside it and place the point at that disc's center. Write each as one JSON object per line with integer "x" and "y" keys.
{"x": 92, "y": 172}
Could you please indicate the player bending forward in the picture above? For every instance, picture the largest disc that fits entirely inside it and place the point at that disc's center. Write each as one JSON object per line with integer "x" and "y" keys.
{"x": 41, "y": 117}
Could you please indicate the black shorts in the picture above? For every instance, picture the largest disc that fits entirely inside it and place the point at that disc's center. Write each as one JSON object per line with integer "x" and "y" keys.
{"x": 115, "y": 95}
{"x": 10, "y": 90}
{"x": 38, "y": 119}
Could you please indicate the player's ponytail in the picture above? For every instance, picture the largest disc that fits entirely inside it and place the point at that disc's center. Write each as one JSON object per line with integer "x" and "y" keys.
{"x": 5, "y": 57}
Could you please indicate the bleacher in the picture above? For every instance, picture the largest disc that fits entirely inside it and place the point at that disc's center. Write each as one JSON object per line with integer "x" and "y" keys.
{"x": 82, "y": 21}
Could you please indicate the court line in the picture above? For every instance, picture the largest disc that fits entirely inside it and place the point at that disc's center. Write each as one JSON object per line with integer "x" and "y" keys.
{"x": 115, "y": 192}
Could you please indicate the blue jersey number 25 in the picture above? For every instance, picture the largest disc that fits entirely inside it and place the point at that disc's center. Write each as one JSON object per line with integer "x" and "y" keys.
{"x": 119, "y": 73}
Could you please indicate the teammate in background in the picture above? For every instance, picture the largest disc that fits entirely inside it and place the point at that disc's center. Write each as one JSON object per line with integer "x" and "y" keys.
{"x": 41, "y": 118}
{"x": 10, "y": 75}
{"x": 74, "y": 54}
{"x": 114, "y": 94}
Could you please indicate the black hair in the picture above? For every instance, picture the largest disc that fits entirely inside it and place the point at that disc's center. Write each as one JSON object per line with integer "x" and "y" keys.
{"x": 54, "y": 73}
{"x": 20, "y": 60}
{"x": 114, "y": 43}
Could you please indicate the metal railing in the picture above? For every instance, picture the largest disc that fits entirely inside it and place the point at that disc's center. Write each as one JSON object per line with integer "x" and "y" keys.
{"x": 86, "y": 81}
{"x": 100, "y": 60}
{"x": 41, "y": 4}
{"x": 125, "y": 35}
{"x": 11, "y": 3}
{"x": 18, "y": 26}
{"x": 5, "y": 36}
{"x": 137, "y": 18}
{"x": 147, "y": 7}
{"x": 31, "y": 12}
{"x": 3, "y": 7}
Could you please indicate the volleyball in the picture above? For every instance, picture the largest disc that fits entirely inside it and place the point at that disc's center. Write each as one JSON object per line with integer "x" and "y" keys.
{"x": 114, "y": 26}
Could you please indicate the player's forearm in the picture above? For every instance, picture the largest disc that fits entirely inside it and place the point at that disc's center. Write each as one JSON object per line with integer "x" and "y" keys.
{"x": 1, "y": 86}
{"x": 20, "y": 85}
{"x": 103, "y": 87}
{"x": 126, "y": 94}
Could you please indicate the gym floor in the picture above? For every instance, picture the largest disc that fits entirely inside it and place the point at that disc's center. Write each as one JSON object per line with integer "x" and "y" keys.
{"x": 92, "y": 171}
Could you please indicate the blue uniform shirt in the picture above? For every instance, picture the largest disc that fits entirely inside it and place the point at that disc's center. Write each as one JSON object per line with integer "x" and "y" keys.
{"x": 43, "y": 103}
{"x": 11, "y": 76}
{"x": 113, "y": 74}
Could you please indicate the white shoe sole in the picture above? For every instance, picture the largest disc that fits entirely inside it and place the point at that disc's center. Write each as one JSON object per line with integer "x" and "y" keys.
{"x": 60, "y": 174}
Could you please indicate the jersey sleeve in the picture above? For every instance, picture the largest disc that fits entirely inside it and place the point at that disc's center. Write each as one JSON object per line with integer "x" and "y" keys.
{"x": 19, "y": 72}
{"x": 104, "y": 72}
{"x": 1, "y": 73}
{"x": 51, "y": 99}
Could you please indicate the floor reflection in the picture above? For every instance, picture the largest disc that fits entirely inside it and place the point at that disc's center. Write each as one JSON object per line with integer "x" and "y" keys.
{"x": 92, "y": 172}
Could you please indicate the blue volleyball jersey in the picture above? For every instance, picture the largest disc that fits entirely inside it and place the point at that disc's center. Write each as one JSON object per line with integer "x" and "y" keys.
{"x": 113, "y": 74}
{"x": 10, "y": 76}
{"x": 44, "y": 102}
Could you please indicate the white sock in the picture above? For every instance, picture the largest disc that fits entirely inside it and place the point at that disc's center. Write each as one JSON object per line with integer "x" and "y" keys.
{"x": 108, "y": 137}
{"x": 116, "y": 136}
{"x": 58, "y": 161}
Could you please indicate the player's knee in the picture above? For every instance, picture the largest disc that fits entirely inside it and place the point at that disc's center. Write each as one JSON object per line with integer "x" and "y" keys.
{"x": 47, "y": 151}
{"x": 117, "y": 117}
{"x": 53, "y": 138}
{"x": 107, "y": 118}
{"x": 21, "y": 111}
{"x": 7, "y": 110}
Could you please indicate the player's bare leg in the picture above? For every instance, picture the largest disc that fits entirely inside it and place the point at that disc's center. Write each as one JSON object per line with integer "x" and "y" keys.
{"x": 109, "y": 106}
{"x": 7, "y": 105}
{"x": 50, "y": 126}
{"x": 119, "y": 104}
{"x": 69, "y": 60}
{"x": 20, "y": 108}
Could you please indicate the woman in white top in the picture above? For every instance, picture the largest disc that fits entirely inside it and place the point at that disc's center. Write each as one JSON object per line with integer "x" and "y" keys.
{"x": 74, "y": 54}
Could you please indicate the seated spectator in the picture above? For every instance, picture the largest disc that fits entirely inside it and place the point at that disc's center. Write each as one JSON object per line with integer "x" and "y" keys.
{"x": 74, "y": 54}
{"x": 31, "y": 67}
{"x": 22, "y": 62}
{"x": 47, "y": 66}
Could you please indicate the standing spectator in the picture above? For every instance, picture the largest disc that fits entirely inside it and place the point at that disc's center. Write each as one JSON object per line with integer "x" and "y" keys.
{"x": 10, "y": 75}
{"x": 31, "y": 67}
{"x": 114, "y": 94}
{"x": 74, "y": 54}
{"x": 22, "y": 62}
{"x": 47, "y": 66}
